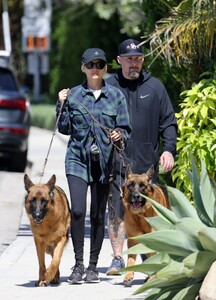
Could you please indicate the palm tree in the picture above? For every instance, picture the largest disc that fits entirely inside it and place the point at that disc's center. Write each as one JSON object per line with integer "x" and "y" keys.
{"x": 187, "y": 36}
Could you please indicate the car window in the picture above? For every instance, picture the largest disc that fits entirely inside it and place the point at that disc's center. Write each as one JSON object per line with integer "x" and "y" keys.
{"x": 7, "y": 81}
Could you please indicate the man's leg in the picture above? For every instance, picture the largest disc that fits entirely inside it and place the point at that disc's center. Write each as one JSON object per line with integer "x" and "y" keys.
{"x": 116, "y": 229}
{"x": 116, "y": 232}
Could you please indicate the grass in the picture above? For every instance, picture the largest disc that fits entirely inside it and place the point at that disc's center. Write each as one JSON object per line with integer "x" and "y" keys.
{"x": 43, "y": 116}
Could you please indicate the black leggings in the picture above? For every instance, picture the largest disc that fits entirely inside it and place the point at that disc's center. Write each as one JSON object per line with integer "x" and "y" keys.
{"x": 78, "y": 193}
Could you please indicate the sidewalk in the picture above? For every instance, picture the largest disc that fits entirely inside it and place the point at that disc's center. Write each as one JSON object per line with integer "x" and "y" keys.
{"x": 19, "y": 270}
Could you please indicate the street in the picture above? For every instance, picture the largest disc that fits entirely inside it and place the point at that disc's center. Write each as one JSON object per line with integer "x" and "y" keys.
{"x": 18, "y": 260}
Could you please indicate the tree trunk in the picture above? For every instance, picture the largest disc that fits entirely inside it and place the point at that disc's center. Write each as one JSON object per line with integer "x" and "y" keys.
{"x": 208, "y": 288}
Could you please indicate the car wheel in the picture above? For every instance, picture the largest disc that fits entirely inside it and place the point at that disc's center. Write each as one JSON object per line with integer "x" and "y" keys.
{"x": 18, "y": 161}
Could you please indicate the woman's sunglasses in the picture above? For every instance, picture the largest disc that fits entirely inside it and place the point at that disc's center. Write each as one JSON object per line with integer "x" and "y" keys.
{"x": 99, "y": 65}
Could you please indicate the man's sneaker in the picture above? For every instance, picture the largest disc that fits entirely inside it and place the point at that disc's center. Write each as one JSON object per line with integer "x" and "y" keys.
{"x": 116, "y": 265}
{"x": 77, "y": 275}
{"x": 92, "y": 275}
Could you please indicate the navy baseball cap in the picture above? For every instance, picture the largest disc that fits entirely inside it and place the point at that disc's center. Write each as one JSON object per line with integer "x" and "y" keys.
{"x": 93, "y": 53}
{"x": 130, "y": 47}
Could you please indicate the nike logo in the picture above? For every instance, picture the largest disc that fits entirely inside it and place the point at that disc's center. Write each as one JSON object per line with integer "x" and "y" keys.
{"x": 144, "y": 96}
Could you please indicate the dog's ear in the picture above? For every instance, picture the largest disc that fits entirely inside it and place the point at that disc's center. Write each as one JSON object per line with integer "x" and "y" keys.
{"x": 128, "y": 171}
{"x": 150, "y": 173}
{"x": 27, "y": 182}
{"x": 51, "y": 182}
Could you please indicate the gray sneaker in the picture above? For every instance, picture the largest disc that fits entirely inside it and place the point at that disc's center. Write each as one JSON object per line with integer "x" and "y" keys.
{"x": 77, "y": 275}
{"x": 116, "y": 265}
{"x": 92, "y": 275}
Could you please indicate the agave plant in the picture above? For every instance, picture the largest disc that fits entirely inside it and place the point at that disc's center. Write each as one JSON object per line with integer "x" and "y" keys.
{"x": 183, "y": 240}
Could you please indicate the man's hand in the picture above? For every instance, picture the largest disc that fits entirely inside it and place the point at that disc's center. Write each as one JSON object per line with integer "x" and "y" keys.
{"x": 167, "y": 161}
{"x": 63, "y": 94}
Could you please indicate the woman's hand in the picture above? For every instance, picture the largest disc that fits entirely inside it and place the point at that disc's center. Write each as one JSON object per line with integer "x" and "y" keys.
{"x": 62, "y": 95}
{"x": 115, "y": 135}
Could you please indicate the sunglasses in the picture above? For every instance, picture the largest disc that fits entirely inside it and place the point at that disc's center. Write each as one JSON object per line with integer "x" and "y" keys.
{"x": 99, "y": 65}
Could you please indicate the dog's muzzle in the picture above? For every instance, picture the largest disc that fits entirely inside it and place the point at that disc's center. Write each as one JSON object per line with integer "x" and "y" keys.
{"x": 137, "y": 201}
{"x": 38, "y": 218}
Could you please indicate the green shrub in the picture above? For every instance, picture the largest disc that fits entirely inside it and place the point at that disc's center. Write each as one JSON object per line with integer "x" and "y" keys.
{"x": 197, "y": 132}
{"x": 43, "y": 116}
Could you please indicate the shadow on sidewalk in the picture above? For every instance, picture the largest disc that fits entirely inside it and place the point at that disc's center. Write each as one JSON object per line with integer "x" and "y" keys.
{"x": 25, "y": 229}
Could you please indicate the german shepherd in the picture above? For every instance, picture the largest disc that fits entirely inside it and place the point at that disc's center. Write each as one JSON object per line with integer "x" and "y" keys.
{"x": 136, "y": 208}
{"x": 49, "y": 213}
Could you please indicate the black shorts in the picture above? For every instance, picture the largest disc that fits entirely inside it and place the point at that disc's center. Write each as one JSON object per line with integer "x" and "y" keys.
{"x": 115, "y": 206}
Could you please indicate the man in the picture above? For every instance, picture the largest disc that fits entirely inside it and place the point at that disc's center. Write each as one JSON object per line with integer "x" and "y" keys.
{"x": 152, "y": 118}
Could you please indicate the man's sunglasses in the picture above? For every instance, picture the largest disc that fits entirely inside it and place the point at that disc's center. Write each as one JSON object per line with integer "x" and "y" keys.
{"x": 99, "y": 65}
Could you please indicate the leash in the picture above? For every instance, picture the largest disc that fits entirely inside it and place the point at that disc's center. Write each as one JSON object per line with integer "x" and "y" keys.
{"x": 111, "y": 209}
{"x": 54, "y": 132}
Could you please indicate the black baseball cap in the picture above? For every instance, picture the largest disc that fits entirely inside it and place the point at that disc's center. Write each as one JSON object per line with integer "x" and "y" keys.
{"x": 93, "y": 53}
{"x": 130, "y": 47}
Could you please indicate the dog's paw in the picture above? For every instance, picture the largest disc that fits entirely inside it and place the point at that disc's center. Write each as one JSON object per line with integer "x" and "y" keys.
{"x": 41, "y": 283}
{"x": 128, "y": 283}
{"x": 55, "y": 281}
{"x": 128, "y": 279}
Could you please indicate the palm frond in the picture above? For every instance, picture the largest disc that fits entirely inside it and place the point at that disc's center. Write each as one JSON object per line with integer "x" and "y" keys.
{"x": 188, "y": 34}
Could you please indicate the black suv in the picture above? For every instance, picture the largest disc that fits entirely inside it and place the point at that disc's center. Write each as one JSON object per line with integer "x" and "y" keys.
{"x": 14, "y": 122}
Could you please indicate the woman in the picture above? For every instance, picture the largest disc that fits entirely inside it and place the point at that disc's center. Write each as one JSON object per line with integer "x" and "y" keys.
{"x": 95, "y": 116}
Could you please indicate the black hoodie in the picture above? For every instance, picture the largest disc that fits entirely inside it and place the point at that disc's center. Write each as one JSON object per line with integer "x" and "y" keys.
{"x": 152, "y": 117}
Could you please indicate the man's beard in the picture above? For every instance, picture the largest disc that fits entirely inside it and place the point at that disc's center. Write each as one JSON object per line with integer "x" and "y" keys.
{"x": 133, "y": 74}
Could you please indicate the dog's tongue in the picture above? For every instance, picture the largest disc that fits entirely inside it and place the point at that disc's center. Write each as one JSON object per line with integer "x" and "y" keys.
{"x": 137, "y": 204}
{"x": 38, "y": 221}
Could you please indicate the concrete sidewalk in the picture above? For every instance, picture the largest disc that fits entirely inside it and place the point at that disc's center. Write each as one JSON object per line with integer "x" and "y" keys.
{"x": 19, "y": 271}
{"x": 19, "y": 266}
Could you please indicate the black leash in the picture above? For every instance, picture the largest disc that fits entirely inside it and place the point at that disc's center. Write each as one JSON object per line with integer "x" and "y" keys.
{"x": 111, "y": 209}
{"x": 54, "y": 132}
